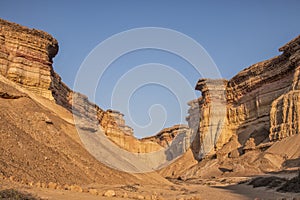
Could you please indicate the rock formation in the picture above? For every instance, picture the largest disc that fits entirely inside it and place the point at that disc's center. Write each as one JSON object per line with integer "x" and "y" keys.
{"x": 118, "y": 118}
{"x": 176, "y": 140}
{"x": 26, "y": 59}
{"x": 207, "y": 115}
{"x": 166, "y": 136}
{"x": 241, "y": 117}
{"x": 260, "y": 102}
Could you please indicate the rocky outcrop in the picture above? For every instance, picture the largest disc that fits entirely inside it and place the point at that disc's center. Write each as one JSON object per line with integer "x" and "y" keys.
{"x": 284, "y": 114}
{"x": 261, "y": 102}
{"x": 208, "y": 115}
{"x": 253, "y": 93}
{"x": 26, "y": 59}
{"x": 118, "y": 118}
{"x": 166, "y": 136}
{"x": 265, "y": 91}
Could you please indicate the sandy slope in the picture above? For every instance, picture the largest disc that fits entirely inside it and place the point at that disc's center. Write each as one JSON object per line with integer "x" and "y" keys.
{"x": 40, "y": 145}
{"x": 181, "y": 190}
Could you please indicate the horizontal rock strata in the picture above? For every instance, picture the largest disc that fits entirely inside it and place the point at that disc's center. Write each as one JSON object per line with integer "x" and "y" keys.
{"x": 262, "y": 102}
{"x": 26, "y": 59}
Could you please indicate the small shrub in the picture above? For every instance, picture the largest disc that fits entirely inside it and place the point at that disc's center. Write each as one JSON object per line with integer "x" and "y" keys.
{"x": 11, "y": 194}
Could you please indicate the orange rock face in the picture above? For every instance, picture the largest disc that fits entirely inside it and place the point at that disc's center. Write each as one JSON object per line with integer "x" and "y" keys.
{"x": 166, "y": 136}
{"x": 26, "y": 58}
{"x": 262, "y": 102}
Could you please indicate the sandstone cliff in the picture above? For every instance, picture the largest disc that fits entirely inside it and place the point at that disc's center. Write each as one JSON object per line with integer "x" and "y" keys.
{"x": 261, "y": 102}
{"x": 240, "y": 119}
{"x": 249, "y": 124}
{"x": 166, "y": 136}
{"x": 207, "y": 115}
{"x": 39, "y": 140}
{"x": 26, "y": 59}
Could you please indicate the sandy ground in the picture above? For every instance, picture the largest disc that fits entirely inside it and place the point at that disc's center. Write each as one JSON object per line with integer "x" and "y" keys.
{"x": 180, "y": 190}
{"x": 62, "y": 158}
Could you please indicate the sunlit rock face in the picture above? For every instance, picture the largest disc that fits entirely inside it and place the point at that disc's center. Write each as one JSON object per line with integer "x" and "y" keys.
{"x": 26, "y": 59}
{"x": 284, "y": 115}
{"x": 208, "y": 115}
{"x": 177, "y": 139}
{"x": 262, "y": 102}
{"x": 166, "y": 136}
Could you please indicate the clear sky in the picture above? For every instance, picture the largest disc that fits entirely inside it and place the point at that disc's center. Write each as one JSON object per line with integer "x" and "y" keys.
{"x": 235, "y": 33}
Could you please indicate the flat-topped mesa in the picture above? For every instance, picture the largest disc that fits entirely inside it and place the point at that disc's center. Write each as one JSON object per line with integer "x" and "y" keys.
{"x": 26, "y": 57}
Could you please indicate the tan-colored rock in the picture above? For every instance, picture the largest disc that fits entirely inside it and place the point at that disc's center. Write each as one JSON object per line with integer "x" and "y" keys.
{"x": 26, "y": 58}
{"x": 52, "y": 185}
{"x": 284, "y": 114}
{"x": 140, "y": 197}
{"x": 125, "y": 195}
{"x": 208, "y": 116}
{"x": 230, "y": 149}
{"x": 59, "y": 187}
{"x": 31, "y": 183}
{"x": 44, "y": 185}
{"x": 38, "y": 184}
{"x": 234, "y": 154}
{"x": 76, "y": 188}
{"x": 154, "y": 197}
{"x": 93, "y": 191}
{"x": 261, "y": 102}
{"x": 12, "y": 178}
{"x": 249, "y": 145}
{"x": 166, "y": 136}
{"x": 115, "y": 129}
{"x": 109, "y": 193}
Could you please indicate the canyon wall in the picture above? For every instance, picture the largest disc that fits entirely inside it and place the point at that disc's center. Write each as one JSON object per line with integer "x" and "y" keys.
{"x": 166, "y": 136}
{"x": 261, "y": 102}
{"x": 26, "y": 58}
{"x": 176, "y": 139}
{"x": 208, "y": 115}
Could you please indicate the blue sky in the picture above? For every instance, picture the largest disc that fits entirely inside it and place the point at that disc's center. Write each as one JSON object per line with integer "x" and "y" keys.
{"x": 236, "y": 34}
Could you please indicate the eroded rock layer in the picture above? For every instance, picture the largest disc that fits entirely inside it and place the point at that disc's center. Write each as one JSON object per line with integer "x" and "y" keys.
{"x": 208, "y": 115}
{"x": 166, "y": 136}
{"x": 261, "y": 102}
{"x": 26, "y": 59}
